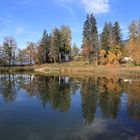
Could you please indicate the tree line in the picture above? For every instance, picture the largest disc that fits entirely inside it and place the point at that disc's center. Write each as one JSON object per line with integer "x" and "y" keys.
{"x": 107, "y": 47}
{"x": 53, "y": 47}
{"x": 101, "y": 48}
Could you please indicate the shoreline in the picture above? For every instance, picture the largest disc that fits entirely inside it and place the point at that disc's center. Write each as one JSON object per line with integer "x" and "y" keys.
{"x": 76, "y": 68}
{"x": 16, "y": 68}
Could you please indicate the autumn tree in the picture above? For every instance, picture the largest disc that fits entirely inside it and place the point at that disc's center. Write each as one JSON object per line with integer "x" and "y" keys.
{"x": 105, "y": 42}
{"x": 20, "y": 57}
{"x": 2, "y": 61}
{"x": 36, "y": 53}
{"x": 60, "y": 42}
{"x": 115, "y": 55}
{"x": 74, "y": 51}
{"x": 136, "y": 53}
{"x": 133, "y": 30}
{"x": 139, "y": 28}
{"x": 9, "y": 48}
{"x": 134, "y": 41}
{"x": 65, "y": 47}
{"x": 85, "y": 49}
{"x": 111, "y": 44}
{"x": 102, "y": 58}
{"x": 30, "y": 49}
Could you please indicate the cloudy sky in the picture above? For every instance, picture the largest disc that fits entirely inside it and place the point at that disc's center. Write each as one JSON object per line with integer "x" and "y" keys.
{"x": 25, "y": 20}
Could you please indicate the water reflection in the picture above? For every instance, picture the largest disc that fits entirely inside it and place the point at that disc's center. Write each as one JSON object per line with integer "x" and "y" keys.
{"x": 7, "y": 87}
{"x": 101, "y": 101}
{"x": 89, "y": 99}
{"x": 132, "y": 88}
{"x": 109, "y": 96}
{"x": 57, "y": 91}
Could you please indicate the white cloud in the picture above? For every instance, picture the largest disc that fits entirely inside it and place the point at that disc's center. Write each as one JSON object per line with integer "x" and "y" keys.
{"x": 90, "y": 6}
{"x": 96, "y": 6}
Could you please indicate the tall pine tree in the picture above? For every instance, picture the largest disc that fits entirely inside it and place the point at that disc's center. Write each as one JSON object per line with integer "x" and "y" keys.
{"x": 90, "y": 34}
{"x": 55, "y": 44}
{"x": 106, "y": 36}
{"x": 93, "y": 39}
{"x": 43, "y": 48}
{"x": 86, "y": 29}
{"x": 117, "y": 37}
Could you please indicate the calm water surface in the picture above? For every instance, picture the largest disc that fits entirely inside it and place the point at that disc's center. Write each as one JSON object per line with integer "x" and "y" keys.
{"x": 34, "y": 107}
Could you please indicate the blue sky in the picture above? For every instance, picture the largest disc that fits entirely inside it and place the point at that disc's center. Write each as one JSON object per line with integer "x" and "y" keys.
{"x": 25, "y": 20}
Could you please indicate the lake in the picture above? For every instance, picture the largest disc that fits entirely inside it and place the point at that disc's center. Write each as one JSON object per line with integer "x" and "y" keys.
{"x": 35, "y": 107}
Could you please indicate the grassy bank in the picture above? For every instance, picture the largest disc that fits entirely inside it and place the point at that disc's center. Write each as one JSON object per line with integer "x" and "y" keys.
{"x": 82, "y": 68}
{"x": 77, "y": 68}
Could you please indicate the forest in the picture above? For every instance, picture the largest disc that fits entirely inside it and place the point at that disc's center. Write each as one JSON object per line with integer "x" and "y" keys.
{"x": 106, "y": 48}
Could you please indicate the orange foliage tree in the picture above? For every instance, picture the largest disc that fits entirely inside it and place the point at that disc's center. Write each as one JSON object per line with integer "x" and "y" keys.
{"x": 115, "y": 55}
{"x": 102, "y": 59}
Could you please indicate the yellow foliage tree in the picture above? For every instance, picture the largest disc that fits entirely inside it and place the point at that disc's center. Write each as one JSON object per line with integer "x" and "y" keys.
{"x": 136, "y": 52}
{"x": 115, "y": 55}
{"x": 102, "y": 59}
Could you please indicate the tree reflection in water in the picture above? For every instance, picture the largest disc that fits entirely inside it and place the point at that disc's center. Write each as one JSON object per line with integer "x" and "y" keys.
{"x": 7, "y": 87}
{"x": 109, "y": 96}
{"x": 132, "y": 88}
{"x": 57, "y": 91}
{"x": 89, "y": 99}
